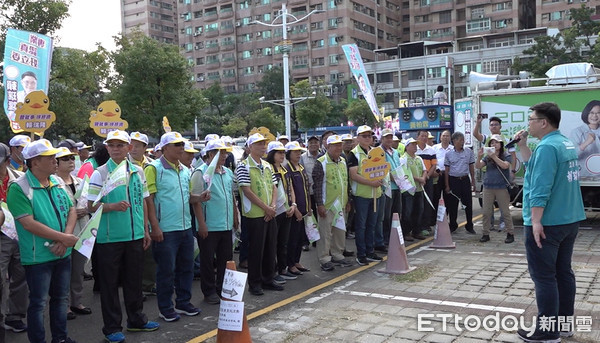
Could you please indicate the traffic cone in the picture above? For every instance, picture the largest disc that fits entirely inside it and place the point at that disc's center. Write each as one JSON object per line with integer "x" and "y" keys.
{"x": 397, "y": 262}
{"x": 442, "y": 238}
{"x": 226, "y": 336}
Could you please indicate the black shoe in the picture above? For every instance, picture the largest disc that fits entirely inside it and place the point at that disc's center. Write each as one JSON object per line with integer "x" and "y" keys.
{"x": 419, "y": 236}
{"x": 212, "y": 299}
{"x": 256, "y": 291}
{"x": 452, "y": 230}
{"x": 314, "y": 244}
{"x": 71, "y": 315}
{"x": 536, "y": 337}
{"x": 87, "y": 277}
{"x": 273, "y": 286}
{"x": 509, "y": 238}
{"x": 362, "y": 261}
{"x": 306, "y": 247}
{"x": 348, "y": 253}
{"x": 83, "y": 311}
{"x": 372, "y": 257}
{"x": 327, "y": 266}
{"x": 484, "y": 238}
{"x": 381, "y": 248}
{"x": 471, "y": 231}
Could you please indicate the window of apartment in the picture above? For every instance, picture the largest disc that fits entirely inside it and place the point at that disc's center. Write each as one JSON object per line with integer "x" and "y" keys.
{"x": 316, "y": 26}
{"x": 319, "y": 61}
{"x": 422, "y": 3}
{"x": 248, "y": 71}
{"x": 199, "y": 61}
{"x": 266, "y": 17}
{"x": 247, "y": 37}
{"x": 503, "y": 6}
{"x": 299, "y": 11}
{"x": 244, "y": 4}
{"x": 265, "y": 2}
{"x": 246, "y": 54}
{"x": 227, "y": 41}
{"x": 318, "y": 7}
{"x": 268, "y": 51}
{"x": 198, "y": 14}
{"x": 228, "y": 57}
{"x": 226, "y": 8}
{"x": 266, "y": 34}
{"x": 500, "y": 42}
{"x": 278, "y": 32}
{"x": 318, "y": 43}
{"x": 436, "y": 72}
{"x": 213, "y": 75}
{"x": 471, "y": 45}
{"x": 333, "y": 3}
{"x": 499, "y": 24}
{"x": 200, "y": 77}
{"x": 229, "y": 73}
{"x": 423, "y": 34}
{"x": 334, "y": 59}
{"x": 300, "y": 46}
{"x": 189, "y": 47}
{"x": 385, "y": 77}
{"x": 211, "y": 27}
{"x": 189, "y": 30}
{"x": 300, "y": 61}
{"x": 477, "y": 12}
{"x": 467, "y": 68}
{"x": 445, "y": 17}
{"x": 227, "y": 24}
{"x": 299, "y": 28}
{"x": 333, "y": 40}
{"x": 332, "y": 23}
{"x": 210, "y": 11}
{"x": 478, "y": 25}
{"x": 212, "y": 59}
{"x": 496, "y": 66}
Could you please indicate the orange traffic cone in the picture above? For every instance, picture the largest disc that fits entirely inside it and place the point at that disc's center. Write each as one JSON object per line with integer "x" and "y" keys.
{"x": 442, "y": 238}
{"x": 226, "y": 336}
{"x": 397, "y": 262}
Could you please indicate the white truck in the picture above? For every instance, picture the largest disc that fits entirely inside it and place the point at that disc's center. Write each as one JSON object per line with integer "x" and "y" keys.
{"x": 577, "y": 93}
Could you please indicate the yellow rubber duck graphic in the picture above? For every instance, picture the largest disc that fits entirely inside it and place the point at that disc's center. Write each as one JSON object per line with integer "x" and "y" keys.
{"x": 375, "y": 167}
{"x": 107, "y": 118}
{"x": 33, "y": 114}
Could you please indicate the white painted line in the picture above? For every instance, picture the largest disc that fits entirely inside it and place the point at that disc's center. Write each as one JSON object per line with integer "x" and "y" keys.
{"x": 436, "y": 302}
{"x": 418, "y": 250}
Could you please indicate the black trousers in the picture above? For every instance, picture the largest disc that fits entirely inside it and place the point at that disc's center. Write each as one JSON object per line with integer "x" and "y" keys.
{"x": 393, "y": 205}
{"x": 262, "y": 237}
{"x": 412, "y": 209}
{"x": 217, "y": 244}
{"x": 295, "y": 242}
{"x": 125, "y": 259}
{"x": 283, "y": 236}
{"x": 461, "y": 187}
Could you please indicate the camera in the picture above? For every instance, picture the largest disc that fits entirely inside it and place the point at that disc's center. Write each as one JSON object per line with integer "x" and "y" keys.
{"x": 489, "y": 150}
{"x": 482, "y": 115}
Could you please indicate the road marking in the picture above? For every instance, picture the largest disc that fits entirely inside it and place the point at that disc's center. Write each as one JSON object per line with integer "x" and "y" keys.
{"x": 496, "y": 253}
{"x": 315, "y": 289}
{"x": 433, "y": 301}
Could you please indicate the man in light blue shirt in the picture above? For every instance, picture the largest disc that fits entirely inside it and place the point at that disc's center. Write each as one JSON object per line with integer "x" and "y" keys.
{"x": 552, "y": 210}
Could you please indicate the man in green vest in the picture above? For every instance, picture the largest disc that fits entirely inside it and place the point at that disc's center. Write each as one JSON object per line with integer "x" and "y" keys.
{"x": 122, "y": 238}
{"x": 365, "y": 192}
{"x": 330, "y": 176}
{"x": 258, "y": 193}
{"x": 45, "y": 219}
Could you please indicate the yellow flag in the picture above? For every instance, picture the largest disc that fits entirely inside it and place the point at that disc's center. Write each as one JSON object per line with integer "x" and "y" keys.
{"x": 165, "y": 124}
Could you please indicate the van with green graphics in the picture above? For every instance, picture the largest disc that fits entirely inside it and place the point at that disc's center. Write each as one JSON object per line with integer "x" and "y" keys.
{"x": 575, "y": 88}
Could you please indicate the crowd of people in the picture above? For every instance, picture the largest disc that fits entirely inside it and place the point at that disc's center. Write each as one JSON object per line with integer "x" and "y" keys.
{"x": 174, "y": 194}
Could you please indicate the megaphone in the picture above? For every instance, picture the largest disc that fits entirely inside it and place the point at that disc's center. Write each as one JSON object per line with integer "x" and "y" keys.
{"x": 479, "y": 81}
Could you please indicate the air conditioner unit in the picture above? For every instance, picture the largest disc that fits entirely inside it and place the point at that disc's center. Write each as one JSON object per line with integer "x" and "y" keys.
{"x": 479, "y": 16}
{"x": 421, "y": 77}
{"x": 196, "y": 48}
{"x": 269, "y": 53}
{"x": 327, "y": 93}
{"x": 238, "y": 24}
{"x": 337, "y": 2}
{"x": 259, "y": 51}
{"x": 583, "y": 1}
{"x": 258, "y": 34}
{"x": 339, "y": 20}
{"x": 257, "y": 17}
{"x": 200, "y": 79}
{"x": 197, "y": 34}
{"x": 462, "y": 74}
{"x": 313, "y": 25}
{"x": 340, "y": 75}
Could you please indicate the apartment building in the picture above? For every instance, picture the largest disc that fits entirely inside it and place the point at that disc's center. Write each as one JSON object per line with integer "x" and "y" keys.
{"x": 224, "y": 41}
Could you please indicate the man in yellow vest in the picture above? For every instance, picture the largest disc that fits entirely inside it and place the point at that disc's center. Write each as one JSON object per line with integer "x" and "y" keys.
{"x": 258, "y": 193}
{"x": 365, "y": 192}
{"x": 330, "y": 176}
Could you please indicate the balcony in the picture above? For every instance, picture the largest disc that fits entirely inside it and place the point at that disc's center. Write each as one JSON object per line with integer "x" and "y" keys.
{"x": 296, "y": 2}
{"x": 228, "y": 79}
{"x": 228, "y": 63}
{"x": 296, "y": 36}
{"x": 210, "y": 16}
{"x": 228, "y": 46}
{"x": 226, "y": 13}
{"x": 212, "y": 65}
{"x": 209, "y": 2}
{"x": 211, "y": 49}
{"x": 225, "y": 1}
{"x": 226, "y": 30}
{"x": 211, "y": 33}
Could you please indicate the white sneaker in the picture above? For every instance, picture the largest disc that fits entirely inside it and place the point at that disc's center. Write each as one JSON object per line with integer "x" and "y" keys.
{"x": 501, "y": 227}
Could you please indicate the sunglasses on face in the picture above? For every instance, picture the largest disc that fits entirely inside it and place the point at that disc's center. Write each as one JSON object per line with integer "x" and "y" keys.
{"x": 67, "y": 158}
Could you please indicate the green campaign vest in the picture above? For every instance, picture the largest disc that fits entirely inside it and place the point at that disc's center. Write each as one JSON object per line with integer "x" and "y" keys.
{"x": 358, "y": 189}
{"x": 335, "y": 181}
{"x": 261, "y": 184}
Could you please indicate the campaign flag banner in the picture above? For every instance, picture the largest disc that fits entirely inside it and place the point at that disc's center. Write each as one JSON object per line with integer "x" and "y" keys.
{"x": 210, "y": 170}
{"x": 357, "y": 68}
{"x": 117, "y": 178}
{"x": 27, "y": 59}
{"x": 338, "y": 215}
{"x": 9, "y": 228}
{"x": 87, "y": 236}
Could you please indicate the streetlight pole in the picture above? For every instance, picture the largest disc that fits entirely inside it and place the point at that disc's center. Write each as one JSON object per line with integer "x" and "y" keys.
{"x": 286, "y": 46}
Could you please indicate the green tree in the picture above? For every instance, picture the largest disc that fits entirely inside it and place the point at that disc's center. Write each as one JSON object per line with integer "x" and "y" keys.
{"x": 41, "y": 16}
{"x": 154, "y": 80}
{"x": 310, "y": 113}
{"x": 267, "y": 118}
{"x": 236, "y": 127}
{"x": 360, "y": 113}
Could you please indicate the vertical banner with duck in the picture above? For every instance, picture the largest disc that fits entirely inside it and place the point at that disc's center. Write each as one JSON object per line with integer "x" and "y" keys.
{"x": 27, "y": 59}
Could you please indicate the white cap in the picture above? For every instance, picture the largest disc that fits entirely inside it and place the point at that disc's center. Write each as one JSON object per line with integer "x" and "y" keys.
{"x": 171, "y": 138}
{"x": 294, "y": 145}
{"x": 117, "y": 135}
{"x": 257, "y": 137}
{"x": 140, "y": 137}
{"x": 63, "y": 151}
{"x": 387, "y": 132}
{"x": 333, "y": 139}
{"x": 82, "y": 145}
{"x": 275, "y": 145}
{"x": 410, "y": 140}
{"x": 41, "y": 147}
{"x": 157, "y": 147}
{"x": 227, "y": 140}
{"x": 215, "y": 144}
{"x": 347, "y": 137}
{"x": 189, "y": 147}
{"x": 283, "y": 137}
{"x": 363, "y": 129}
{"x": 395, "y": 138}
{"x": 19, "y": 140}
{"x": 210, "y": 137}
